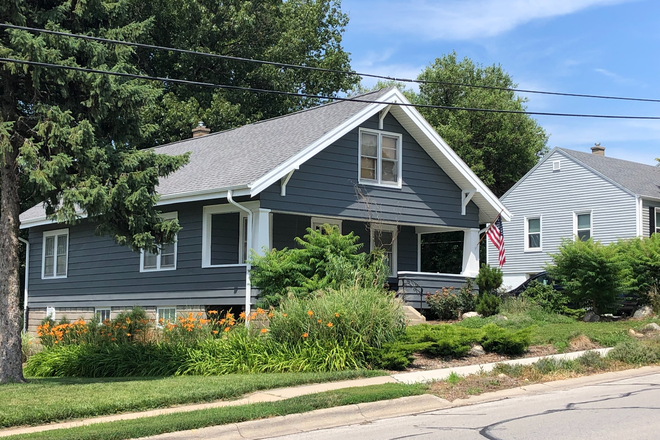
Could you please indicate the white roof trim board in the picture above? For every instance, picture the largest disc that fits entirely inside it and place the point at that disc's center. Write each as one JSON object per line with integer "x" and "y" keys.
{"x": 332, "y": 122}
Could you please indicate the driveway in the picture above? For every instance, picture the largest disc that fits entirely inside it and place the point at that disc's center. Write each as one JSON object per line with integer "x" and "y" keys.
{"x": 617, "y": 410}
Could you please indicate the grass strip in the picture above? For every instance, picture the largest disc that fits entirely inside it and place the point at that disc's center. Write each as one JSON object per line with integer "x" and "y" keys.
{"x": 56, "y": 399}
{"x": 148, "y": 426}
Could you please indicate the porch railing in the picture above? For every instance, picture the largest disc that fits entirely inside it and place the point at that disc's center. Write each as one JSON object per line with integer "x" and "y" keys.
{"x": 414, "y": 286}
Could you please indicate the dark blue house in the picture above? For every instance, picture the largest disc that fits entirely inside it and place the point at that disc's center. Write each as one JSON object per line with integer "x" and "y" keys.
{"x": 373, "y": 168}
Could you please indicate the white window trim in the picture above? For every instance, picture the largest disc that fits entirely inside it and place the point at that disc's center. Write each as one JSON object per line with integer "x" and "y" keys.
{"x": 97, "y": 315}
{"x": 526, "y": 236}
{"x": 158, "y": 309}
{"x": 399, "y": 153}
{"x": 575, "y": 222}
{"x": 656, "y": 211}
{"x": 54, "y": 233}
{"x": 320, "y": 221}
{"x": 394, "y": 230}
{"x": 165, "y": 216}
{"x": 208, "y": 212}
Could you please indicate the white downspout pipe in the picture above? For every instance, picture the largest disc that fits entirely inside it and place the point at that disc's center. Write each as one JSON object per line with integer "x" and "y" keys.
{"x": 27, "y": 277}
{"x": 248, "y": 286}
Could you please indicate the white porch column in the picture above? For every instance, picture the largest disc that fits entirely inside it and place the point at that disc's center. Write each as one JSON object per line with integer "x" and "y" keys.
{"x": 261, "y": 230}
{"x": 471, "y": 252}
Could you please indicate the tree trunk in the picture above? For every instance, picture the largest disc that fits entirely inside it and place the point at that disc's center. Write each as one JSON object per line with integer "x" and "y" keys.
{"x": 11, "y": 368}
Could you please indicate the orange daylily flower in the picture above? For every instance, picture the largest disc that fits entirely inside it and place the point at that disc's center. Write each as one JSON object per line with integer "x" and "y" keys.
{"x": 304, "y": 335}
{"x": 264, "y": 330}
{"x": 310, "y": 313}
{"x": 329, "y": 324}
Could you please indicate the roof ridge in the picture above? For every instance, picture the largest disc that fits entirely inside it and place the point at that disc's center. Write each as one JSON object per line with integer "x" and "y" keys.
{"x": 569, "y": 151}
{"x": 316, "y": 107}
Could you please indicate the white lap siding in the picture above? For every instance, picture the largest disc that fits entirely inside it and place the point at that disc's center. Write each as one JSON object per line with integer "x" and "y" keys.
{"x": 554, "y": 196}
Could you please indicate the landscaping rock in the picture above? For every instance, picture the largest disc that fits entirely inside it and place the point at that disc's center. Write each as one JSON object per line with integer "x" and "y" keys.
{"x": 501, "y": 318}
{"x": 634, "y": 334}
{"x": 643, "y": 312}
{"x": 470, "y": 315}
{"x": 591, "y": 317}
{"x": 477, "y": 350}
{"x": 652, "y": 327}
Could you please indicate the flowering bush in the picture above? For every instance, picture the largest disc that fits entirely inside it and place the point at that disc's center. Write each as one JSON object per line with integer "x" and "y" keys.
{"x": 448, "y": 304}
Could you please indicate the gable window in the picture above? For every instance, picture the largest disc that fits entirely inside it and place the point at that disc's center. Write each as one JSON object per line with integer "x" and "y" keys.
{"x": 54, "y": 260}
{"x": 583, "y": 226}
{"x": 384, "y": 237}
{"x": 380, "y": 158}
{"x": 165, "y": 315}
{"x": 102, "y": 314}
{"x": 533, "y": 234}
{"x": 165, "y": 259}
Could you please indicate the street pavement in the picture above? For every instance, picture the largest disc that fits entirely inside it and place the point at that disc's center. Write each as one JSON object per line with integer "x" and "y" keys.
{"x": 620, "y": 409}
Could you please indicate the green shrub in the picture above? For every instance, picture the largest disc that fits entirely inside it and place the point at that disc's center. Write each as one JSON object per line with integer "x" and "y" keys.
{"x": 29, "y": 347}
{"x": 546, "y": 296}
{"x": 371, "y": 315}
{"x": 488, "y": 304}
{"x": 642, "y": 258}
{"x": 326, "y": 259}
{"x": 489, "y": 279}
{"x": 502, "y": 341}
{"x": 592, "y": 359}
{"x": 593, "y": 275}
{"x": 448, "y": 304}
{"x": 634, "y": 353}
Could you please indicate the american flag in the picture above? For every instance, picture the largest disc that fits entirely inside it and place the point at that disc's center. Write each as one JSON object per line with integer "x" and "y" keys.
{"x": 496, "y": 236}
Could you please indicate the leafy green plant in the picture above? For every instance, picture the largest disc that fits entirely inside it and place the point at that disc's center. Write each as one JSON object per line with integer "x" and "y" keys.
{"x": 326, "y": 259}
{"x": 593, "y": 275}
{"x": 546, "y": 296}
{"x": 503, "y": 341}
{"x": 488, "y": 279}
{"x": 634, "y": 352}
{"x": 448, "y": 304}
{"x": 642, "y": 258}
{"x": 488, "y": 304}
{"x": 371, "y": 315}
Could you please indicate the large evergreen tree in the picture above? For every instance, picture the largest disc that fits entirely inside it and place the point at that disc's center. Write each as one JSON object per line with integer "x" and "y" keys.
{"x": 72, "y": 139}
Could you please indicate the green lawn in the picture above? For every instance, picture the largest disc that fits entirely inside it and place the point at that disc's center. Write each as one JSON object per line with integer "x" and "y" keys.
{"x": 56, "y": 399}
{"x": 558, "y": 330}
{"x": 219, "y": 416}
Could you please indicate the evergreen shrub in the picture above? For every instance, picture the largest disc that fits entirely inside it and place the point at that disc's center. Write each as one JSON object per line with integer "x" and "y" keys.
{"x": 489, "y": 279}
{"x": 488, "y": 304}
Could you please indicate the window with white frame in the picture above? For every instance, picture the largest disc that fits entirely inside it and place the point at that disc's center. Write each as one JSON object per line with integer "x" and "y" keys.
{"x": 533, "y": 234}
{"x": 583, "y": 225}
{"x": 166, "y": 314}
{"x": 380, "y": 158}
{"x": 165, "y": 259}
{"x": 657, "y": 221}
{"x": 102, "y": 314}
{"x": 54, "y": 260}
{"x": 384, "y": 237}
{"x": 318, "y": 222}
{"x": 225, "y": 235}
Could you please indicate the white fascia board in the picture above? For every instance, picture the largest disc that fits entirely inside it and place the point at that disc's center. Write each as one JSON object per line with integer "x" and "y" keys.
{"x": 169, "y": 199}
{"x": 454, "y": 160}
{"x": 313, "y": 149}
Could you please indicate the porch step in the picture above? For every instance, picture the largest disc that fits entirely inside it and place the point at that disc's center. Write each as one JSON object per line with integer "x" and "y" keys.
{"x": 413, "y": 316}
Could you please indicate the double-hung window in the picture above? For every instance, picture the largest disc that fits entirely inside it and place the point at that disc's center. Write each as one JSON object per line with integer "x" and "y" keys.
{"x": 380, "y": 158}
{"x": 165, "y": 259}
{"x": 55, "y": 255}
{"x": 102, "y": 314}
{"x": 384, "y": 237}
{"x": 533, "y": 234}
{"x": 583, "y": 225}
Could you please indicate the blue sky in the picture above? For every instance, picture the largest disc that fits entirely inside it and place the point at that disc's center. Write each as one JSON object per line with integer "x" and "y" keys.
{"x": 604, "y": 47}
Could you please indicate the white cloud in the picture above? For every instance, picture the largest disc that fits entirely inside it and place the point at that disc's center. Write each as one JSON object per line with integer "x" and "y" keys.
{"x": 460, "y": 19}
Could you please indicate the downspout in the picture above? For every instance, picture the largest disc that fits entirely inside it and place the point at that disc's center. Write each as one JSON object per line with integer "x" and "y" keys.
{"x": 248, "y": 286}
{"x": 27, "y": 275}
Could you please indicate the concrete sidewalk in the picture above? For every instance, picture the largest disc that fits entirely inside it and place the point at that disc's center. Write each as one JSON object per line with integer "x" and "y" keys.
{"x": 286, "y": 393}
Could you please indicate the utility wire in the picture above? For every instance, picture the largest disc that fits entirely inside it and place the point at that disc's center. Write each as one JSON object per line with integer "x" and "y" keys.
{"x": 318, "y": 69}
{"x": 307, "y": 95}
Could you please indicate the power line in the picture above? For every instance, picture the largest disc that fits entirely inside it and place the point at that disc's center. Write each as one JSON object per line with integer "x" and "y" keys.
{"x": 317, "y": 69}
{"x": 307, "y": 95}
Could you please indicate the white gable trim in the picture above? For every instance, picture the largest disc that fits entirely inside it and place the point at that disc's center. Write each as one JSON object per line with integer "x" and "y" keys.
{"x": 463, "y": 176}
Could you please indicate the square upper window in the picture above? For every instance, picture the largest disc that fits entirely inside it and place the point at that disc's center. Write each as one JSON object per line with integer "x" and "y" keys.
{"x": 380, "y": 158}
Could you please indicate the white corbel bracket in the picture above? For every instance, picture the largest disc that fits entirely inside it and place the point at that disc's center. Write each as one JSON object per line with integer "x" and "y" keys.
{"x": 467, "y": 196}
{"x": 284, "y": 180}
{"x": 381, "y": 116}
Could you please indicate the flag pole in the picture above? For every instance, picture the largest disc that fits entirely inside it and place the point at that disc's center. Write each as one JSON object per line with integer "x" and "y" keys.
{"x": 490, "y": 226}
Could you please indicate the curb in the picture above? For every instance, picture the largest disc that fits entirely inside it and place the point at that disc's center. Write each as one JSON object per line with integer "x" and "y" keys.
{"x": 369, "y": 412}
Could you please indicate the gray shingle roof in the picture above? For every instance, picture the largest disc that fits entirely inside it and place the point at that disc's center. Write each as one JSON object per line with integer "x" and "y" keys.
{"x": 240, "y": 156}
{"x": 640, "y": 179}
